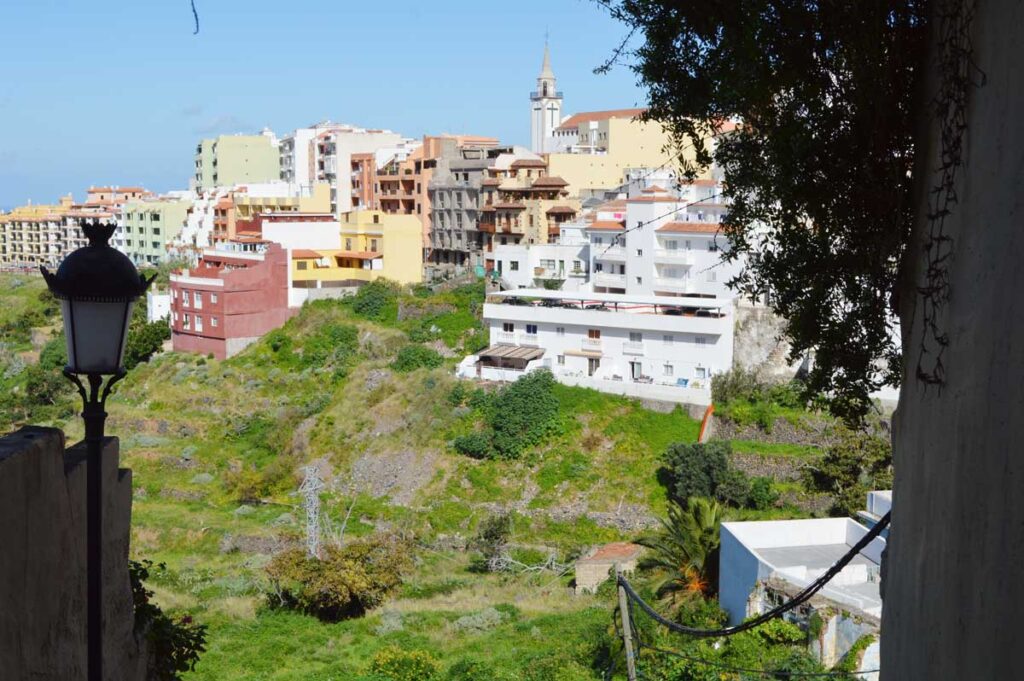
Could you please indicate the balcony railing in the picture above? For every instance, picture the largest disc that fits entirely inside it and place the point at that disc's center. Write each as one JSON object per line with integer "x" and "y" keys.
{"x": 590, "y": 344}
{"x": 674, "y": 283}
{"x": 632, "y": 347}
{"x": 606, "y": 279}
{"x": 529, "y": 340}
{"x": 608, "y": 252}
{"x": 682, "y": 257}
{"x": 506, "y": 337}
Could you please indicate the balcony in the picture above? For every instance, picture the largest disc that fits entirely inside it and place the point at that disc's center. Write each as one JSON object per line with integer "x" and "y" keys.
{"x": 632, "y": 347}
{"x": 590, "y": 345}
{"x": 681, "y": 285}
{"x": 608, "y": 252}
{"x": 530, "y": 340}
{"x": 674, "y": 256}
{"x": 506, "y": 337}
{"x": 606, "y": 279}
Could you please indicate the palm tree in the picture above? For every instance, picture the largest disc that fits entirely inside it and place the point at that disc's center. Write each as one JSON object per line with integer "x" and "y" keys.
{"x": 685, "y": 551}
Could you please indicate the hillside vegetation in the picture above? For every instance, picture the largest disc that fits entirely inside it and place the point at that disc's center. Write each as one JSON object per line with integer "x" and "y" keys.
{"x": 363, "y": 390}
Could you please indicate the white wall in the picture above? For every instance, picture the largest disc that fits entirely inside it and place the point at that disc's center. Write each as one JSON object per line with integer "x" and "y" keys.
{"x": 158, "y": 306}
{"x": 518, "y": 264}
{"x": 685, "y": 354}
{"x": 299, "y": 233}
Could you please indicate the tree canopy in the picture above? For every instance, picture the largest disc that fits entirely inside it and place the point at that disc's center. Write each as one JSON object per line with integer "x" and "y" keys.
{"x": 809, "y": 110}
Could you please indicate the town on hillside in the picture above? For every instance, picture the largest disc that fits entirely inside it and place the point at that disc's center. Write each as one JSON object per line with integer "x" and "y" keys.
{"x": 443, "y": 408}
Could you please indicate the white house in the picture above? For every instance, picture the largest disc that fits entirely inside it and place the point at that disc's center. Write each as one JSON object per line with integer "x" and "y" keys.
{"x": 643, "y": 346}
{"x": 664, "y": 244}
{"x": 567, "y": 262}
{"x": 767, "y": 562}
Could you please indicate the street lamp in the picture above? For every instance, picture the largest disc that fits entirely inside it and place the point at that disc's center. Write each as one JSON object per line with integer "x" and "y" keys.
{"x": 97, "y": 286}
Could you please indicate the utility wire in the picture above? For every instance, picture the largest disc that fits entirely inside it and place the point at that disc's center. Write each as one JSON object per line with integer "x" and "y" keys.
{"x": 643, "y": 223}
{"x": 802, "y": 597}
{"x": 195, "y": 16}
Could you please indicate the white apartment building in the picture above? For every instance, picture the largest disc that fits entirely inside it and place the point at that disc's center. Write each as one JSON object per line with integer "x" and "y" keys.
{"x": 638, "y": 345}
{"x": 566, "y": 262}
{"x": 655, "y": 320}
{"x": 665, "y": 245}
{"x": 323, "y": 153}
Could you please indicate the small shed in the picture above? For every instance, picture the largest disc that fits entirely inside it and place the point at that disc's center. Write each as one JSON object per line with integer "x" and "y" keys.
{"x": 601, "y": 561}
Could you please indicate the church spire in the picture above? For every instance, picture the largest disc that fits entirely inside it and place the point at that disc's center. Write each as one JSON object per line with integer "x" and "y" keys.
{"x": 545, "y": 69}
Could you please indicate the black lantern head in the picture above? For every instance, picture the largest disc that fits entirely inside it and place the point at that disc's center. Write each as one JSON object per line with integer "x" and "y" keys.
{"x": 97, "y": 286}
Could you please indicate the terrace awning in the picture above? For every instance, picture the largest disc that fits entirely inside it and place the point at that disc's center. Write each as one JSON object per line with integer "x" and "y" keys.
{"x": 512, "y": 352}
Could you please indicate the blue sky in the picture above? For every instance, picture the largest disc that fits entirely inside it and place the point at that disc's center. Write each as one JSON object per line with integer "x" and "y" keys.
{"x": 119, "y": 91}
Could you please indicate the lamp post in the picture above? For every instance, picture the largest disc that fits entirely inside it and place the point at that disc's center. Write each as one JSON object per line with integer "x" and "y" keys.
{"x": 97, "y": 286}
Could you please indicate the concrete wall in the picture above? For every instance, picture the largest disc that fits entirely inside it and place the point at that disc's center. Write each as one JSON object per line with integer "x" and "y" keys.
{"x": 42, "y": 561}
{"x": 954, "y": 576}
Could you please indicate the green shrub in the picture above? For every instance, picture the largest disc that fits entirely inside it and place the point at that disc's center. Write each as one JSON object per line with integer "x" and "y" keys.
{"x": 696, "y": 470}
{"x": 734, "y": 488}
{"x": 763, "y": 494}
{"x": 470, "y": 669}
{"x": 523, "y": 414}
{"x": 476, "y": 445}
{"x": 413, "y": 357}
{"x": 54, "y": 355}
{"x": 346, "y": 582}
{"x": 492, "y": 535}
{"x": 855, "y": 464}
{"x": 458, "y": 395}
{"x": 376, "y": 300}
{"x": 397, "y": 664}
{"x": 144, "y": 340}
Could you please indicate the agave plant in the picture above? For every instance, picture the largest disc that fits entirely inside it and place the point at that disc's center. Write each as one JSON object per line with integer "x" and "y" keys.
{"x": 685, "y": 552}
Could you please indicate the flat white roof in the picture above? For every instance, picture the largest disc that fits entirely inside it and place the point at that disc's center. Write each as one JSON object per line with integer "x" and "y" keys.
{"x": 621, "y": 298}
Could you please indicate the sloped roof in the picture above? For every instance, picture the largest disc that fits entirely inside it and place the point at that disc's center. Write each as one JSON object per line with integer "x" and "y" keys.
{"x": 691, "y": 227}
{"x": 551, "y": 181}
{"x": 607, "y": 225}
{"x": 587, "y": 116}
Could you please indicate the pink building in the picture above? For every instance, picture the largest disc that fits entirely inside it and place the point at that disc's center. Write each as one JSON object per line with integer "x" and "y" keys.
{"x": 229, "y": 300}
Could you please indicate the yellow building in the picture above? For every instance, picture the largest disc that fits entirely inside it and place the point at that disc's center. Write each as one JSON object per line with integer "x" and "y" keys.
{"x": 372, "y": 245}
{"x": 281, "y": 197}
{"x": 34, "y": 235}
{"x": 599, "y": 146}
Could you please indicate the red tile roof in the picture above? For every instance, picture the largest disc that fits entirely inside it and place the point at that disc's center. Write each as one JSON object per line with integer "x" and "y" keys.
{"x": 304, "y": 254}
{"x": 360, "y": 255}
{"x": 588, "y": 116}
{"x": 552, "y": 181}
{"x": 529, "y": 163}
{"x": 691, "y": 227}
{"x": 611, "y": 225}
{"x": 614, "y": 552}
{"x": 561, "y": 210}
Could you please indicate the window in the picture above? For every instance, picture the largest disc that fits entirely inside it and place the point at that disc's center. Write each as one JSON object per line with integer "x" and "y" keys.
{"x": 597, "y": 240}
{"x": 184, "y": 298}
{"x": 561, "y": 360}
{"x": 594, "y": 334}
{"x": 373, "y": 245}
{"x": 174, "y": 293}
{"x": 156, "y": 231}
{"x": 639, "y": 252}
{"x": 700, "y": 372}
{"x": 668, "y": 338}
{"x": 560, "y": 330}
{"x": 577, "y": 265}
{"x": 199, "y": 323}
{"x": 175, "y": 317}
{"x": 712, "y": 276}
{"x": 513, "y": 265}
{"x": 700, "y": 340}
{"x": 531, "y": 329}
{"x": 302, "y": 264}
{"x": 639, "y": 280}
{"x": 213, "y": 322}
{"x": 598, "y": 267}
{"x": 156, "y": 217}
{"x": 199, "y": 300}
{"x": 187, "y": 322}
{"x": 636, "y": 337}
{"x": 156, "y": 244}
{"x": 712, "y": 246}
{"x": 376, "y": 219}
{"x": 508, "y": 327}
{"x": 348, "y": 244}
{"x": 213, "y": 297}
{"x": 547, "y": 264}
{"x": 671, "y": 245}
{"x": 669, "y": 370}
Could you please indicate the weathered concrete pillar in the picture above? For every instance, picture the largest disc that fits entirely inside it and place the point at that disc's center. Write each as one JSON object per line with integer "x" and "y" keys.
{"x": 42, "y": 561}
{"x": 954, "y": 581}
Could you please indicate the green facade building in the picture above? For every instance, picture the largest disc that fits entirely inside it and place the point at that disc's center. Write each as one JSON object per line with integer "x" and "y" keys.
{"x": 236, "y": 159}
{"x": 148, "y": 225}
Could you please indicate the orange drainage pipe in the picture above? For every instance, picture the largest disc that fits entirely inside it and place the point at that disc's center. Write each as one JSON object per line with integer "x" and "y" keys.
{"x": 704, "y": 422}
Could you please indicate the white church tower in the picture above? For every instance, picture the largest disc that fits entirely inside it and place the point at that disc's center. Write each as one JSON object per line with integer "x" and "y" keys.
{"x": 545, "y": 107}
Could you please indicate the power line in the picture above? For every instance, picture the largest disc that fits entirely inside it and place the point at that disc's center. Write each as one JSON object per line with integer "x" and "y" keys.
{"x": 802, "y": 597}
{"x": 644, "y": 223}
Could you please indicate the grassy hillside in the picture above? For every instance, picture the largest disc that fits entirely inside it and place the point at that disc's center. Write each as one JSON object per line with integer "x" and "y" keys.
{"x": 218, "y": 451}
